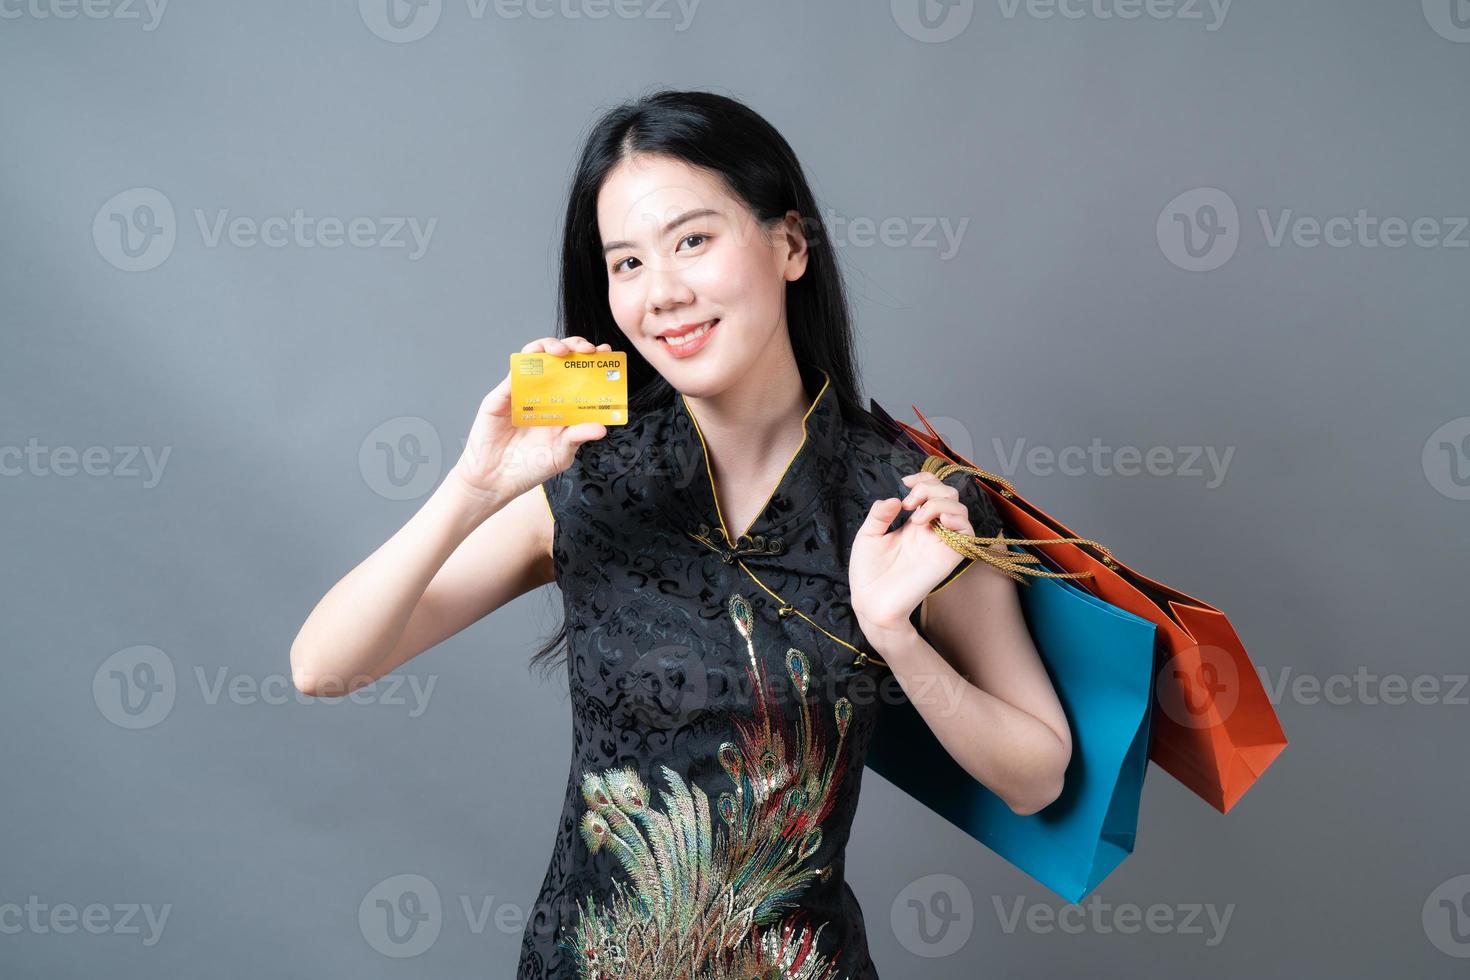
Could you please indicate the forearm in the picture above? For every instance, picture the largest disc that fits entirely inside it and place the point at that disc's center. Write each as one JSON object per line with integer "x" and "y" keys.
{"x": 357, "y": 623}
{"x": 1013, "y": 753}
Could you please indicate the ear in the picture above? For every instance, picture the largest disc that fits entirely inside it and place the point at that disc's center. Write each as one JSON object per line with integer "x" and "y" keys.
{"x": 793, "y": 235}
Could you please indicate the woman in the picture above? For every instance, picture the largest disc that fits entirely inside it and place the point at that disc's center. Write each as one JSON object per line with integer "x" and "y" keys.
{"x": 737, "y": 608}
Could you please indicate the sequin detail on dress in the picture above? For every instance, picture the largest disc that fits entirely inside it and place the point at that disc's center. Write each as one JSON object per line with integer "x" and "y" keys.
{"x": 707, "y": 901}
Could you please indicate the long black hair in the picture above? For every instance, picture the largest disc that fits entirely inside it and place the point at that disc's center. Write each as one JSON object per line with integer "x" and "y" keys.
{"x": 730, "y": 140}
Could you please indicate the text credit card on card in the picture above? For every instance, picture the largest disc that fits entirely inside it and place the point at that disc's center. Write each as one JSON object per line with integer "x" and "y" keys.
{"x": 549, "y": 390}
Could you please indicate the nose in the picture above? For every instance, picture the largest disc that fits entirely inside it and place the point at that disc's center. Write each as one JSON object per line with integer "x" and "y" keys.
{"x": 666, "y": 290}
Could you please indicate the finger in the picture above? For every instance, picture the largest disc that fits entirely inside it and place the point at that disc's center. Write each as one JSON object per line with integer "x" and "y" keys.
{"x": 546, "y": 345}
{"x": 497, "y": 402}
{"x": 930, "y": 490}
{"x": 949, "y": 513}
{"x": 575, "y": 435}
{"x": 957, "y": 521}
{"x": 919, "y": 478}
{"x": 880, "y": 515}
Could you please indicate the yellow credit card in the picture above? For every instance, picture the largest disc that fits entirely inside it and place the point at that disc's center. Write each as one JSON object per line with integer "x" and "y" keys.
{"x": 546, "y": 389}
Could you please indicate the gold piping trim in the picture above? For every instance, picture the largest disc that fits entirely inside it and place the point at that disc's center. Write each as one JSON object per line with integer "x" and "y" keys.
{"x": 861, "y": 657}
{"x": 547, "y": 500}
{"x": 826, "y": 380}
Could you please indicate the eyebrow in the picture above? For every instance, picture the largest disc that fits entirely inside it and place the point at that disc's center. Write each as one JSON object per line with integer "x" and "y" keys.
{"x": 686, "y": 216}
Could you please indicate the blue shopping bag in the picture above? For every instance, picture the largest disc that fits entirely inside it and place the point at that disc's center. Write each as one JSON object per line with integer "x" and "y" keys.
{"x": 1101, "y": 662}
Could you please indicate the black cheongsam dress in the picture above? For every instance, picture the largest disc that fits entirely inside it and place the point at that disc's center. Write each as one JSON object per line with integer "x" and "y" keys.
{"x": 722, "y": 700}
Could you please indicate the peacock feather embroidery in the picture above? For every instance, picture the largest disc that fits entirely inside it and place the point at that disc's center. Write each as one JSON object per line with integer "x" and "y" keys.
{"x": 707, "y": 901}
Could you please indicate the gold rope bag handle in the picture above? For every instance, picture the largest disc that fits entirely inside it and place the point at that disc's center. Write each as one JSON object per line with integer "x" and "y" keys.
{"x": 1013, "y": 564}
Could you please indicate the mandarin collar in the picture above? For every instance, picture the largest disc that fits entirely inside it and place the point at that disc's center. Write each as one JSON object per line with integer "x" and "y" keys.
{"x": 790, "y": 501}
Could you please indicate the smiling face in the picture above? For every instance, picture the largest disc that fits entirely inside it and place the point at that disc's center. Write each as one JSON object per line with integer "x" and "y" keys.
{"x": 681, "y": 250}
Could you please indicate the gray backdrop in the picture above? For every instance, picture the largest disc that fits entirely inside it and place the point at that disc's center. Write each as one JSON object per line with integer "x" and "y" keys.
{"x": 1097, "y": 223}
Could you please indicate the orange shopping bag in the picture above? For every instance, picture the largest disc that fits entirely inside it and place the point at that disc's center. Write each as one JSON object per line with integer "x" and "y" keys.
{"x": 1215, "y": 730}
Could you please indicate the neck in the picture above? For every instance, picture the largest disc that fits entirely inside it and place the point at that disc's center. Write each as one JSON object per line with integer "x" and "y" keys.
{"x": 754, "y": 427}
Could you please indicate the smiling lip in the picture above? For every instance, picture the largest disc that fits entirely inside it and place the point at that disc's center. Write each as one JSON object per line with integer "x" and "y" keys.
{"x": 690, "y": 347}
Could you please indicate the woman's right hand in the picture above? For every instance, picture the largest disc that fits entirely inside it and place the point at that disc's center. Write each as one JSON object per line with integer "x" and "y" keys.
{"x": 500, "y": 460}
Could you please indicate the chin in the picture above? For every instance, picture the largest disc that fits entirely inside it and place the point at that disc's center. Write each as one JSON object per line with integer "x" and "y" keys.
{"x": 709, "y": 379}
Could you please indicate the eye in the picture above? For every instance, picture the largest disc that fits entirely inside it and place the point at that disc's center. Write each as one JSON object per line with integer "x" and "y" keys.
{"x": 700, "y": 240}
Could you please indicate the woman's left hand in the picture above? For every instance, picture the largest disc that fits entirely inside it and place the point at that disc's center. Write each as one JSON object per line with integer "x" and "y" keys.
{"x": 890, "y": 572}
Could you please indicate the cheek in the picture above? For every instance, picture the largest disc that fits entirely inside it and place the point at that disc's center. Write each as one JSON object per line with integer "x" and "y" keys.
{"x": 737, "y": 281}
{"x": 627, "y": 312}
{"x": 626, "y": 308}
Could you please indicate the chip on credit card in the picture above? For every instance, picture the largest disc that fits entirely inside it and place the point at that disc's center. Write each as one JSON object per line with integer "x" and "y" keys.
{"x": 550, "y": 389}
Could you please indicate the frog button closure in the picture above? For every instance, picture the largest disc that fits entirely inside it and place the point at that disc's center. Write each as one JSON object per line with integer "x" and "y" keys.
{"x": 745, "y": 546}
